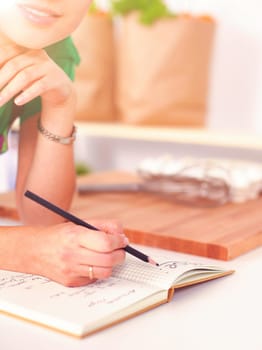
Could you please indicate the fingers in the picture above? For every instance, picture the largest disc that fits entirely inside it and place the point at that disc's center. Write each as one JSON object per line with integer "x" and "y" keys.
{"x": 65, "y": 253}
{"x": 78, "y": 281}
{"x": 99, "y": 250}
{"x": 33, "y": 91}
{"x": 107, "y": 260}
{"x": 17, "y": 73}
{"x": 29, "y": 74}
{"x": 84, "y": 267}
{"x": 21, "y": 82}
{"x": 14, "y": 66}
{"x": 102, "y": 242}
{"x": 97, "y": 272}
{"x": 112, "y": 227}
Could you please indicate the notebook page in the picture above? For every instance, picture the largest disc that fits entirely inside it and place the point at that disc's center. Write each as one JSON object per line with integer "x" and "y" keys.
{"x": 162, "y": 276}
{"x": 69, "y": 309}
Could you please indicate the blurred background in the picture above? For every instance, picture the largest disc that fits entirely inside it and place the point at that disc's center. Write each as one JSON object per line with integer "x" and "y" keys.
{"x": 236, "y": 75}
{"x": 235, "y": 96}
{"x": 234, "y": 89}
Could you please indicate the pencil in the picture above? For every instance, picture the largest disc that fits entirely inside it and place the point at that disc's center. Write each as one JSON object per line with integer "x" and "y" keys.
{"x": 70, "y": 217}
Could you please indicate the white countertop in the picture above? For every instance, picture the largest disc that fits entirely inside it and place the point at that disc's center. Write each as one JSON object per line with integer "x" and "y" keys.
{"x": 220, "y": 314}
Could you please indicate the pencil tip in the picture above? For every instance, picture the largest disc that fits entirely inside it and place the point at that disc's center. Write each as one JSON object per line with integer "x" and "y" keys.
{"x": 151, "y": 261}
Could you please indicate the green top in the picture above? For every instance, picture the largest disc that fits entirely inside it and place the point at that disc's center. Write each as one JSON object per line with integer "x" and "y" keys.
{"x": 65, "y": 54}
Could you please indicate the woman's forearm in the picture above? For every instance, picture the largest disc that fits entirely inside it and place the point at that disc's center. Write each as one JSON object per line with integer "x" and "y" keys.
{"x": 51, "y": 172}
{"x": 16, "y": 248}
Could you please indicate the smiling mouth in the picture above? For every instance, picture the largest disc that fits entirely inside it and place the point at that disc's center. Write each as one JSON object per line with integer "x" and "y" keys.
{"x": 38, "y": 13}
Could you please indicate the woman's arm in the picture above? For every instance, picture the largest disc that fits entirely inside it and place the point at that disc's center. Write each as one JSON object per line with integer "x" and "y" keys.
{"x": 44, "y": 166}
{"x": 63, "y": 252}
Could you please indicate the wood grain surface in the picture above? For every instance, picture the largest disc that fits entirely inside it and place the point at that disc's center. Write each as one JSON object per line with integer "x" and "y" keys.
{"x": 222, "y": 232}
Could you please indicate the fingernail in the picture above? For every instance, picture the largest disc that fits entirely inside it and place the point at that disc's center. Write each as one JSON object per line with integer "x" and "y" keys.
{"x": 126, "y": 240}
{"x": 2, "y": 100}
{"x": 19, "y": 100}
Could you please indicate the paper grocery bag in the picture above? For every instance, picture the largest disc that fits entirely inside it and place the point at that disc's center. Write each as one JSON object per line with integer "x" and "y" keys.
{"x": 94, "y": 82}
{"x": 163, "y": 71}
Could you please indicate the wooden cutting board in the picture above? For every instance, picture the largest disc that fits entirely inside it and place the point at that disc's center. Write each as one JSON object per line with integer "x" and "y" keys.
{"x": 222, "y": 232}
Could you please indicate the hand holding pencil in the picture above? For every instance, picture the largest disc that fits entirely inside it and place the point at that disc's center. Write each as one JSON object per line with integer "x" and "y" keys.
{"x": 86, "y": 252}
{"x": 73, "y": 255}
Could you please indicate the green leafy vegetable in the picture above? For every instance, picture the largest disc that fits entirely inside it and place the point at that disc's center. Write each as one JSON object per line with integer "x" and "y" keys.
{"x": 149, "y": 10}
{"x": 82, "y": 169}
{"x": 94, "y": 9}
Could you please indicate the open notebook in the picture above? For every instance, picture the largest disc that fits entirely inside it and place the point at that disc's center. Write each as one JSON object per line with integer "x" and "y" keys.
{"x": 133, "y": 288}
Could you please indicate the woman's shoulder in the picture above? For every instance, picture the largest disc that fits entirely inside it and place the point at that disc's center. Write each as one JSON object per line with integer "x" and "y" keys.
{"x": 64, "y": 49}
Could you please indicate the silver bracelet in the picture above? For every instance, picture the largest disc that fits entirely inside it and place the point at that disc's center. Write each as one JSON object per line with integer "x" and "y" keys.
{"x": 63, "y": 140}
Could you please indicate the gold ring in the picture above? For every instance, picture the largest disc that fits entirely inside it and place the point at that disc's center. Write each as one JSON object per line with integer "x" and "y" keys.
{"x": 90, "y": 272}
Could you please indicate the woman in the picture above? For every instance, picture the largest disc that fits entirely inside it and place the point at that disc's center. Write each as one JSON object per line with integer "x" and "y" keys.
{"x": 37, "y": 60}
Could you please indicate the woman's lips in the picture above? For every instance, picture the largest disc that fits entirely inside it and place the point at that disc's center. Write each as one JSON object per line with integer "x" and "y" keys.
{"x": 38, "y": 15}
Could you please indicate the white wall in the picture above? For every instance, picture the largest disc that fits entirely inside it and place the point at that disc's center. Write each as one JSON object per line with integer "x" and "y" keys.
{"x": 8, "y": 163}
